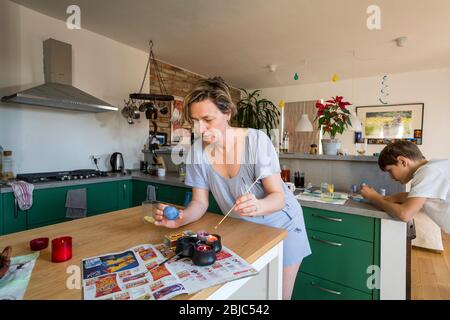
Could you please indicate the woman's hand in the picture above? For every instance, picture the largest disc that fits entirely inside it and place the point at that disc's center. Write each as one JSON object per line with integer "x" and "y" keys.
{"x": 370, "y": 193}
{"x": 248, "y": 206}
{"x": 161, "y": 221}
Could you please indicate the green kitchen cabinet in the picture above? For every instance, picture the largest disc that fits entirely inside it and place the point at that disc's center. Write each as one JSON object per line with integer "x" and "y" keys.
{"x": 343, "y": 247}
{"x": 48, "y": 207}
{"x": 164, "y": 193}
{"x": 124, "y": 194}
{"x": 101, "y": 197}
{"x": 14, "y": 219}
{"x": 167, "y": 193}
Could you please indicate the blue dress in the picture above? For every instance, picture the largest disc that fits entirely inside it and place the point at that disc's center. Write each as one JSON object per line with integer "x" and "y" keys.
{"x": 259, "y": 159}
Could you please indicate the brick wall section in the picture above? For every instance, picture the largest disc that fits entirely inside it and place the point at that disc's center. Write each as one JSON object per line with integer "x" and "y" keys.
{"x": 178, "y": 82}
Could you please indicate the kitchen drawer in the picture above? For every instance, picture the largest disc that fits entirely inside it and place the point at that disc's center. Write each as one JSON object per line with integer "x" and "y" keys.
{"x": 339, "y": 259}
{"x": 308, "y": 287}
{"x": 348, "y": 225}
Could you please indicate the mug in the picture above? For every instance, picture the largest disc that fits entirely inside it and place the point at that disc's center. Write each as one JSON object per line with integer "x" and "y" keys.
{"x": 161, "y": 172}
{"x": 291, "y": 186}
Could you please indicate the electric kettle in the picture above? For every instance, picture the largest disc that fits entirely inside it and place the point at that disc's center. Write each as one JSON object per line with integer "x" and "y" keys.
{"x": 117, "y": 163}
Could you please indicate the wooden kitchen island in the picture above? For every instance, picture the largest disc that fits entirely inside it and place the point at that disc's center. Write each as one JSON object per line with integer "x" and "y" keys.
{"x": 259, "y": 245}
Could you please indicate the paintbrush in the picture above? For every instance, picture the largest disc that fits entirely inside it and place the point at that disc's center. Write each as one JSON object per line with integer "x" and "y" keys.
{"x": 248, "y": 190}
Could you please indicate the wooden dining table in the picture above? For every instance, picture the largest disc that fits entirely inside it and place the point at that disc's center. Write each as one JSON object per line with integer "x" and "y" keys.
{"x": 117, "y": 231}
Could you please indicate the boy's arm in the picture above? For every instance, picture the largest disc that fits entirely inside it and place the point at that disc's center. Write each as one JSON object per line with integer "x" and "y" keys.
{"x": 397, "y": 198}
{"x": 404, "y": 211}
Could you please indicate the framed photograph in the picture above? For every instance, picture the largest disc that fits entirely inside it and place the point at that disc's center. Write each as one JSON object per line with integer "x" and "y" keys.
{"x": 383, "y": 124}
{"x": 178, "y": 128}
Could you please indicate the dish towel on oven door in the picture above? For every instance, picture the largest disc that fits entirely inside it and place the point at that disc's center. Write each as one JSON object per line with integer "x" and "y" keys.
{"x": 23, "y": 192}
{"x": 76, "y": 204}
{"x": 151, "y": 193}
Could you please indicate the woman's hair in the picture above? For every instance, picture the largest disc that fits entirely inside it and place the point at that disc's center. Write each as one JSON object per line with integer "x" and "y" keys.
{"x": 216, "y": 90}
{"x": 398, "y": 148}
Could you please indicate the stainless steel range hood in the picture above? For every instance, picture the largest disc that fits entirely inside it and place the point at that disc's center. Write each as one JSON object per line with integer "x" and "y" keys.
{"x": 57, "y": 91}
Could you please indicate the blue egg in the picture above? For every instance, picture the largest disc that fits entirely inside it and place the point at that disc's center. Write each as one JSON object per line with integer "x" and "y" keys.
{"x": 171, "y": 213}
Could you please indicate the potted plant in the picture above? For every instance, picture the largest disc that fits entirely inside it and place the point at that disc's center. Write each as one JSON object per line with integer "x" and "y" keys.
{"x": 334, "y": 118}
{"x": 257, "y": 113}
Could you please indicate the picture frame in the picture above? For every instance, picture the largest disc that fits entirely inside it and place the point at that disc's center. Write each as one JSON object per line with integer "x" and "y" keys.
{"x": 177, "y": 126}
{"x": 385, "y": 123}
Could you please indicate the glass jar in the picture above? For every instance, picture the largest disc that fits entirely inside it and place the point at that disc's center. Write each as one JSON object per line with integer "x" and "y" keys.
{"x": 8, "y": 165}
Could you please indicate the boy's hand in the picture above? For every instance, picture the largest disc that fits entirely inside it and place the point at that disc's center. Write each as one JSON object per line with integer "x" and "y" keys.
{"x": 370, "y": 193}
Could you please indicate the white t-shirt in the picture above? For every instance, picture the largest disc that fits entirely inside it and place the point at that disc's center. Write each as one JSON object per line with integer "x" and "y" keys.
{"x": 432, "y": 181}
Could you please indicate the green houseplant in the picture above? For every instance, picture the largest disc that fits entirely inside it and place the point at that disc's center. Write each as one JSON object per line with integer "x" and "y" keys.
{"x": 334, "y": 118}
{"x": 257, "y": 113}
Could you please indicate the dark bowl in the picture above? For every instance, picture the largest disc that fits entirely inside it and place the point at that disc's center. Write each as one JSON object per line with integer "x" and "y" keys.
{"x": 216, "y": 245}
{"x": 204, "y": 255}
{"x": 185, "y": 246}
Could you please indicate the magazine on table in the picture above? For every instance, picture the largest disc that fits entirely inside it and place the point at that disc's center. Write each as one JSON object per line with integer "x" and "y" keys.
{"x": 131, "y": 274}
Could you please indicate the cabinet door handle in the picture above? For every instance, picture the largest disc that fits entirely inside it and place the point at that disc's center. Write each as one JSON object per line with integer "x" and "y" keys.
{"x": 335, "y": 244}
{"x": 327, "y": 218}
{"x": 16, "y": 209}
{"x": 124, "y": 193}
{"x": 338, "y": 293}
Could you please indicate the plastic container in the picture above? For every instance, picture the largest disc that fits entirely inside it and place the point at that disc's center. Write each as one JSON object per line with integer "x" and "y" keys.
{"x": 8, "y": 166}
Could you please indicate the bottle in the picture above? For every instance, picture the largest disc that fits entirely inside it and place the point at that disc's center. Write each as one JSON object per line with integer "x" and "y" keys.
{"x": 286, "y": 142}
{"x": 285, "y": 174}
{"x": 302, "y": 179}
{"x": 8, "y": 166}
{"x": 297, "y": 179}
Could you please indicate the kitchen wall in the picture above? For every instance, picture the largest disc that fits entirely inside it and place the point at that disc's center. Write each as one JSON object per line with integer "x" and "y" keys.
{"x": 432, "y": 87}
{"x": 47, "y": 140}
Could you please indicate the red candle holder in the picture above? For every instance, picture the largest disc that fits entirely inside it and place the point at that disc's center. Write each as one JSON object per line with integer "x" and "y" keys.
{"x": 61, "y": 249}
{"x": 39, "y": 244}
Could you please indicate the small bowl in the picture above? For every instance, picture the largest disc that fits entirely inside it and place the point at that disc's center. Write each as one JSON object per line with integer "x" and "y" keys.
{"x": 215, "y": 241}
{"x": 185, "y": 246}
{"x": 204, "y": 255}
{"x": 38, "y": 244}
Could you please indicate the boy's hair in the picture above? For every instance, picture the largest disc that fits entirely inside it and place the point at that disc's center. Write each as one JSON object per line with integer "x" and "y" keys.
{"x": 214, "y": 89}
{"x": 398, "y": 148}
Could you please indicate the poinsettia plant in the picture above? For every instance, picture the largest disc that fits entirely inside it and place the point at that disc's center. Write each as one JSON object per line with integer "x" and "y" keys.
{"x": 333, "y": 116}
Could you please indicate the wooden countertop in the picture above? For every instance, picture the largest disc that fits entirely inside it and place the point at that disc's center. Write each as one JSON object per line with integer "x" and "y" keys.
{"x": 120, "y": 230}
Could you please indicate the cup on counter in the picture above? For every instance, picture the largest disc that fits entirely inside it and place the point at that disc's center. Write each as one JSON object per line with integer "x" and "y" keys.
{"x": 161, "y": 172}
{"x": 147, "y": 210}
{"x": 291, "y": 186}
{"x": 61, "y": 249}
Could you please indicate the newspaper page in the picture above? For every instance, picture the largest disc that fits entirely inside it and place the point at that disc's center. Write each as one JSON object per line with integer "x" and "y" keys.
{"x": 15, "y": 282}
{"x": 131, "y": 274}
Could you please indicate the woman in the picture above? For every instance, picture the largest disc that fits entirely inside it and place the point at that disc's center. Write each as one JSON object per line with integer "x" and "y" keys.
{"x": 227, "y": 163}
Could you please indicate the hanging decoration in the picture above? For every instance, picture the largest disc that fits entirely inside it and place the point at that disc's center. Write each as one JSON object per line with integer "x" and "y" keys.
{"x": 150, "y": 103}
{"x": 335, "y": 78}
{"x": 384, "y": 90}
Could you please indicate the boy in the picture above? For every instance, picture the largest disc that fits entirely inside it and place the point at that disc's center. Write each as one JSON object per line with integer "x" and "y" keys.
{"x": 430, "y": 184}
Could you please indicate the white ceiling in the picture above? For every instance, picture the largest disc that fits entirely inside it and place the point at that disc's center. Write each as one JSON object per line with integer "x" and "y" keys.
{"x": 238, "y": 39}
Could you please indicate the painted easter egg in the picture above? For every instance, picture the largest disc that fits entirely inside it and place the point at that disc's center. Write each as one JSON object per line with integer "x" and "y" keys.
{"x": 171, "y": 213}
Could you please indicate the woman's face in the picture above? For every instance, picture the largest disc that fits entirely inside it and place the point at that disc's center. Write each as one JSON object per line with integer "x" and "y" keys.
{"x": 209, "y": 121}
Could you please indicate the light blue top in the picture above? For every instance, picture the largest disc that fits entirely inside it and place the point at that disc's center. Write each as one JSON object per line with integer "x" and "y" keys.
{"x": 259, "y": 159}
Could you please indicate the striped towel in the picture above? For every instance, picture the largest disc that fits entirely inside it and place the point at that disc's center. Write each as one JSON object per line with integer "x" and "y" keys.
{"x": 23, "y": 192}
